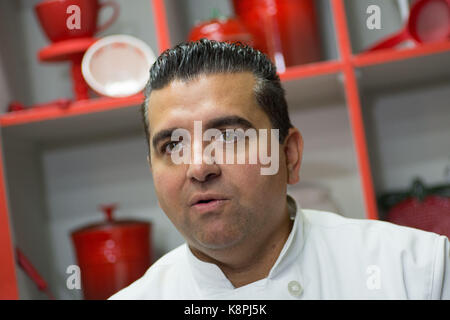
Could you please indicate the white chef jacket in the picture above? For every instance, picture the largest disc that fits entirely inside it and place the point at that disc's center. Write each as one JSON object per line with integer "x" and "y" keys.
{"x": 326, "y": 256}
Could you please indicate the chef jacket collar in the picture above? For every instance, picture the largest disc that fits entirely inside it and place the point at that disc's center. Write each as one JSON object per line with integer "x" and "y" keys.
{"x": 211, "y": 279}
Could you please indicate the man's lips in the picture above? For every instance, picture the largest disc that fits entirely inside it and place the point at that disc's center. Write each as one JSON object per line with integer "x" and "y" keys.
{"x": 205, "y": 198}
{"x": 203, "y": 207}
{"x": 206, "y": 202}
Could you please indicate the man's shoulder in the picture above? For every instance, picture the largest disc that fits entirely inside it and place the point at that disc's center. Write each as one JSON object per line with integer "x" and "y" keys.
{"x": 413, "y": 262}
{"x": 335, "y": 223}
{"x": 149, "y": 285}
{"x": 371, "y": 236}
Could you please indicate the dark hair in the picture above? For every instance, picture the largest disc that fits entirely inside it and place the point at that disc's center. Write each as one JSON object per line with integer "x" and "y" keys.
{"x": 190, "y": 59}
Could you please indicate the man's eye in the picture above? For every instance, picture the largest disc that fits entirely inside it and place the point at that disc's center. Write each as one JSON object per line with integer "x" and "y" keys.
{"x": 170, "y": 147}
{"x": 229, "y": 136}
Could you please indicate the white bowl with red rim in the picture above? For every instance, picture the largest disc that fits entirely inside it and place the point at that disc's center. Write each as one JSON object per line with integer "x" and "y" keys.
{"x": 117, "y": 65}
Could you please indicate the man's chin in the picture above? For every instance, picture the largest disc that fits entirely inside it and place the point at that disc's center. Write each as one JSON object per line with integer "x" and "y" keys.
{"x": 218, "y": 246}
{"x": 218, "y": 240}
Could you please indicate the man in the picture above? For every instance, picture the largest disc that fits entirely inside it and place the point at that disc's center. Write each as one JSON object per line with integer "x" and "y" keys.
{"x": 245, "y": 237}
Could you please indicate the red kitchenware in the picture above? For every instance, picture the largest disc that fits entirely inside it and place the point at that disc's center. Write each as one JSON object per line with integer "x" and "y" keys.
{"x": 70, "y": 44}
{"x": 432, "y": 214}
{"x": 429, "y": 21}
{"x": 111, "y": 254}
{"x": 221, "y": 29}
{"x": 33, "y": 274}
{"x": 54, "y": 16}
{"x": 286, "y": 30}
{"x": 131, "y": 58}
{"x": 72, "y": 51}
{"x": 421, "y": 207}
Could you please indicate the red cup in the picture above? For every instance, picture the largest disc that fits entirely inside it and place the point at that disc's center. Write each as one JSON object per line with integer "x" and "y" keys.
{"x": 57, "y": 17}
{"x": 429, "y": 21}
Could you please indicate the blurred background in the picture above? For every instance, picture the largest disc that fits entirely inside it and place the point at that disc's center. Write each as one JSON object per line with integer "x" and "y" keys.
{"x": 372, "y": 104}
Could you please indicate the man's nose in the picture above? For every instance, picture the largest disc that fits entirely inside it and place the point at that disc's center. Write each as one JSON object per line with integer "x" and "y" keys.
{"x": 202, "y": 167}
{"x": 203, "y": 172}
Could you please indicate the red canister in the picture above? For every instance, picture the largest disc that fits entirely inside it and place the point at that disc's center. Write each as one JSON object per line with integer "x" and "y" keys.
{"x": 111, "y": 254}
{"x": 287, "y": 30}
{"x": 221, "y": 29}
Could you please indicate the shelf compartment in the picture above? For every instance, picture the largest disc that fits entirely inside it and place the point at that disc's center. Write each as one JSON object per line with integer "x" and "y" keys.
{"x": 76, "y": 108}
{"x": 403, "y": 69}
{"x": 306, "y": 93}
{"x": 175, "y": 20}
{"x": 408, "y": 131}
{"x": 96, "y": 119}
{"x": 360, "y": 35}
{"x": 329, "y": 155}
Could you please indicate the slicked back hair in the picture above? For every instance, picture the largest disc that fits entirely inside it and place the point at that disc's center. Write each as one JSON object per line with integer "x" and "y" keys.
{"x": 188, "y": 60}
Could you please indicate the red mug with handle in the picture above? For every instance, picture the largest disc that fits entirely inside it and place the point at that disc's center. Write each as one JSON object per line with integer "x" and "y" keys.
{"x": 57, "y": 18}
{"x": 429, "y": 21}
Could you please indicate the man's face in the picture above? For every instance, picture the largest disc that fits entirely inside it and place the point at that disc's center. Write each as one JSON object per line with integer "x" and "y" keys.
{"x": 251, "y": 203}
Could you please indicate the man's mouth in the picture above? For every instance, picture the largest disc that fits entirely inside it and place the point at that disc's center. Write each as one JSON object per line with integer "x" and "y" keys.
{"x": 207, "y": 202}
{"x": 204, "y": 198}
{"x": 209, "y": 205}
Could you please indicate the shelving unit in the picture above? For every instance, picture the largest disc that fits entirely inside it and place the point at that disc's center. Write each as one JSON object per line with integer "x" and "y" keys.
{"x": 341, "y": 92}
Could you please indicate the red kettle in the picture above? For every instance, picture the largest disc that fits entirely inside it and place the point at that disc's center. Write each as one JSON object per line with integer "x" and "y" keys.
{"x": 111, "y": 254}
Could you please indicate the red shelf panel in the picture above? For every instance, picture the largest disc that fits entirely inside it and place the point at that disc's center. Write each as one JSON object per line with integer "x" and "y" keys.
{"x": 76, "y": 108}
{"x": 311, "y": 70}
{"x": 104, "y": 104}
{"x": 354, "y": 108}
{"x": 388, "y": 55}
{"x": 8, "y": 287}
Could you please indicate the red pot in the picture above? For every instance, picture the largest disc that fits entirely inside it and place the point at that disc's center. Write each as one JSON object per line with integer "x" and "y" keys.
{"x": 111, "y": 254}
{"x": 229, "y": 29}
{"x": 287, "y": 30}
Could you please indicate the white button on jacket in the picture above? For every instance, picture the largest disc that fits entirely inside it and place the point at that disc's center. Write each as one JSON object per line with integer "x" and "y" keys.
{"x": 326, "y": 256}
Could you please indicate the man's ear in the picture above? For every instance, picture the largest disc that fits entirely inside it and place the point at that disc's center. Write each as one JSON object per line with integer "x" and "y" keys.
{"x": 293, "y": 150}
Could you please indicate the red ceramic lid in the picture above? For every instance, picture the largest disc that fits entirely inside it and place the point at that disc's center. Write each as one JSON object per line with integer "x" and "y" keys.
{"x": 110, "y": 223}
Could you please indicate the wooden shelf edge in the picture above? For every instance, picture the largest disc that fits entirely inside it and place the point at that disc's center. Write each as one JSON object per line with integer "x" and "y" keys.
{"x": 76, "y": 108}
{"x": 390, "y": 55}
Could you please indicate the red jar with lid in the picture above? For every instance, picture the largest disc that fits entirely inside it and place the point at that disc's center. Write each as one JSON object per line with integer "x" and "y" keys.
{"x": 221, "y": 29}
{"x": 286, "y": 30}
{"x": 111, "y": 254}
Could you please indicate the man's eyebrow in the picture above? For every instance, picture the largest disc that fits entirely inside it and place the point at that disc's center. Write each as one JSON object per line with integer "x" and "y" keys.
{"x": 229, "y": 121}
{"x": 213, "y": 123}
{"x": 162, "y": 135}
